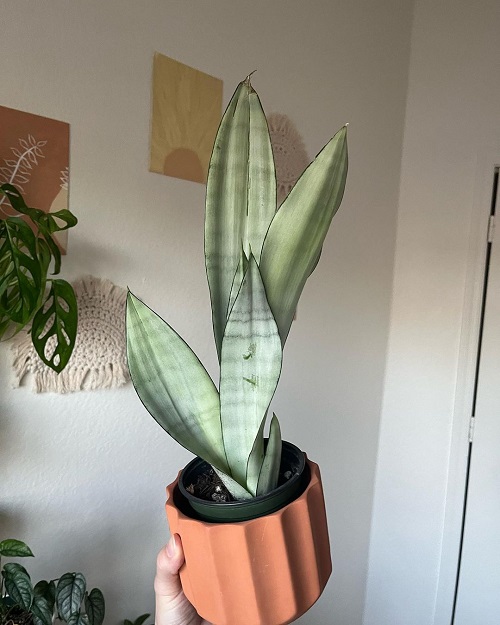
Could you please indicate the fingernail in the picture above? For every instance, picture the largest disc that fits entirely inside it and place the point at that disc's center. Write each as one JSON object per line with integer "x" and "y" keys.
{"x": 171, "y": 547}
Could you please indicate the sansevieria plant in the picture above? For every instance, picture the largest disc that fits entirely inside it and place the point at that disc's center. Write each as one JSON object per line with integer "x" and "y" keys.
{"x": 258, "y": 259}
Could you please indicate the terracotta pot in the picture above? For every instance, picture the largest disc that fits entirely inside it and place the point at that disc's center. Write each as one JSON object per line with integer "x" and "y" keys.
{"x": 266, "y": 571}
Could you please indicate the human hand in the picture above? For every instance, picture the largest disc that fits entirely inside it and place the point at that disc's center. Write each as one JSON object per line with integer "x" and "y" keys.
{"x": 172, "y": 605}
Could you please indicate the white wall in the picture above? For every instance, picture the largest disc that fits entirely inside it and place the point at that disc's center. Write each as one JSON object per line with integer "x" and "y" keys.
{"x": 453, "y": 116}
{"x": 83, "y": 476}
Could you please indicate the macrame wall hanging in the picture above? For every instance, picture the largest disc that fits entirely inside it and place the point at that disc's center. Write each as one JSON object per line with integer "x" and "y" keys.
{"x": 98, "y": 360}
{"x": 290, "y": 156}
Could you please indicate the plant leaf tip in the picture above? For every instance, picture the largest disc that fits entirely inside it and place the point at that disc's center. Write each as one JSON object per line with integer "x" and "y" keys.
{"x": 247, "y": 80}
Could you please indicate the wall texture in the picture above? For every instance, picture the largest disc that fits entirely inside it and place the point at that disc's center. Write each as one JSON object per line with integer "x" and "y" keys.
{"x": 452, "y": 119}
{"x": 83, "y": 476}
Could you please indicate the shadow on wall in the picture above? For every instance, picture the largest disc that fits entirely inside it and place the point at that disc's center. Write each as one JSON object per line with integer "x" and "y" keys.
{"x": 11, "y": 525}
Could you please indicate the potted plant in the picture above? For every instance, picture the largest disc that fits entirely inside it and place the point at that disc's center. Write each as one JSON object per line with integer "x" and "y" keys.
{"x": 249, "y": 508}
{"x": 28, "y": 249}
{"x": 65, "y": 598}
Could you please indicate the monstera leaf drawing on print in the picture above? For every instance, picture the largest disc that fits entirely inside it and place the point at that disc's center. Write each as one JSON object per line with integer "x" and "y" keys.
{"x": 34, "y": 158}
{"x": 17, "y": 170}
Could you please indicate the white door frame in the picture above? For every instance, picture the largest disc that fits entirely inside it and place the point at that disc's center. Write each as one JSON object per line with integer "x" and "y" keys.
{"x": 488, "y": 161}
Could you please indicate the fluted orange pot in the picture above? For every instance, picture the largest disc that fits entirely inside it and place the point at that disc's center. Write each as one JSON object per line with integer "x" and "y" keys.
{"x": 266, "y": 571}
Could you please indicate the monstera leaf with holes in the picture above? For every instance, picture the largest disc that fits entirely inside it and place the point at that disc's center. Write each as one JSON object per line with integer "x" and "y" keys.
{"x": 258, "y": 259}
{"x": 28, "y": 297}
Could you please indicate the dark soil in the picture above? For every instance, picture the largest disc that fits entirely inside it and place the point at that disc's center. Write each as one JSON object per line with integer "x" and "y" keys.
{"x": 209, "y": 486}
{"x": 17, "y": 616}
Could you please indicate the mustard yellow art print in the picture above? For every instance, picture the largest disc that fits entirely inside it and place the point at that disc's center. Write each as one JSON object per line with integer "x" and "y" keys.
{"x": 187, "y": 109}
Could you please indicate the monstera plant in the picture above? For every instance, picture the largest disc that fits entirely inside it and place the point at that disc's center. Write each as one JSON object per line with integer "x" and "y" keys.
{"x": 28, "y": 297}
{"x": 258, "y": 259}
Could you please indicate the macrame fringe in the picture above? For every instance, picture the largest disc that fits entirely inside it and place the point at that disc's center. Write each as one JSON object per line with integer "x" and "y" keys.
{"x": 105, "y": 377}
{"x": 92, "y": 286}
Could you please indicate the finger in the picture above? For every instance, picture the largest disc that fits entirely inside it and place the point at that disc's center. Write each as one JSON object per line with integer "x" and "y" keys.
{"x": 168, "y": 563}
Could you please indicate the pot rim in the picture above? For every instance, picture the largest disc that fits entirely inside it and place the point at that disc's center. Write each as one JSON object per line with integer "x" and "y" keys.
{"x": 280, "y": 490}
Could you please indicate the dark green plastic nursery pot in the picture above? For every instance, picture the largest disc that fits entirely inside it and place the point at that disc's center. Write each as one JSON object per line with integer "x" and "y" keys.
{"x": 292, "y": 459}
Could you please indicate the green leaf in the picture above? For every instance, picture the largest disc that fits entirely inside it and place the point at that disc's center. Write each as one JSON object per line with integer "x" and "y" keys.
{"x": 241, "y": 197}
{"x": 95, "y": 606}
{"x": 256, "y": 458}
{"x": 47, "y": 590}
{"x": 296, "y": 234}
{"x": 70, "y": 591}
{"x": 25, "y": 257}
{"x": 237, "y": 280}
{"x": 13, "y": 567}
{"x": 42, "y": 611}
{"x": 173, "y": 385}
{"x": 49, "y": 222}
{"x": 52, "y": 221}
{"x": 56, "y": 321}
{"x": 226, "y": 205}
{"x": 262, "y": 199}
{"x": 45, "y": 223}
{"x": 78, "y": 619}
{"x": 12, "y": 548}
{"x": 52, "y": 248}
{"x": 140, "y": 619}
{"x": 22, "y": 279}
{"x": 238, "y": 491}
{"x": 250, "y": 368}
{"x": 18, "y": 585}
{"x": 18, "y": 204}
{"x": 268, "y": 479}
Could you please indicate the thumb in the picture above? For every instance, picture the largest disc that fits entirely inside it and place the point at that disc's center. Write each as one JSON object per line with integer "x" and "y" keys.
{"x": 168, "y": 563}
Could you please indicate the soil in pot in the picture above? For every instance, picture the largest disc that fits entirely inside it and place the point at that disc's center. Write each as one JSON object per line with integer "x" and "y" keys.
{"x": 206, "y": 498}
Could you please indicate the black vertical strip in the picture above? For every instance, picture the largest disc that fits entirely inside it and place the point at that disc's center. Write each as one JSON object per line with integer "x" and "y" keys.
{"x": 476, "y": 382}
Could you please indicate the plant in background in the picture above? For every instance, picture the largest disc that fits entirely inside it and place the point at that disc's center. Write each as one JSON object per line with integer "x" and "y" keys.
{"x": 140, "y": 620}
{"x": 27, "y": 295}
{"x": 258, "y": 259}
{"x": 65, "y": 598}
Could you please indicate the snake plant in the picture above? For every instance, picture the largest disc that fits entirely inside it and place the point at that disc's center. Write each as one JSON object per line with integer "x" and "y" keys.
{"x": 258, "y": 259}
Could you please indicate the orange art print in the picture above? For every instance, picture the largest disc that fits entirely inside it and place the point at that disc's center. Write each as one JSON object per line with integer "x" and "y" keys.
{"x": 34, "y": 157}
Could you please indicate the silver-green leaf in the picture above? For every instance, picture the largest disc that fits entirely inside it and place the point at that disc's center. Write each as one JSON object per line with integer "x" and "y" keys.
{"x": 241, "y": 197}
{"x": 256, "y": 458}
{"x": 268, "y": 479}
{"x": 250, "y": 368}
{"x": 237, "y": 280}
{"x": 173, "y": 384}
{"x": 69, "y": 594}
{"x": 78, "y": 619}
{"x": 296, "y": 234}
{"x": 18, "y": 585}
{"x": 262, "y": 198}
{"x": 238, "y": 491}
{"x": 42, "y": 611}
